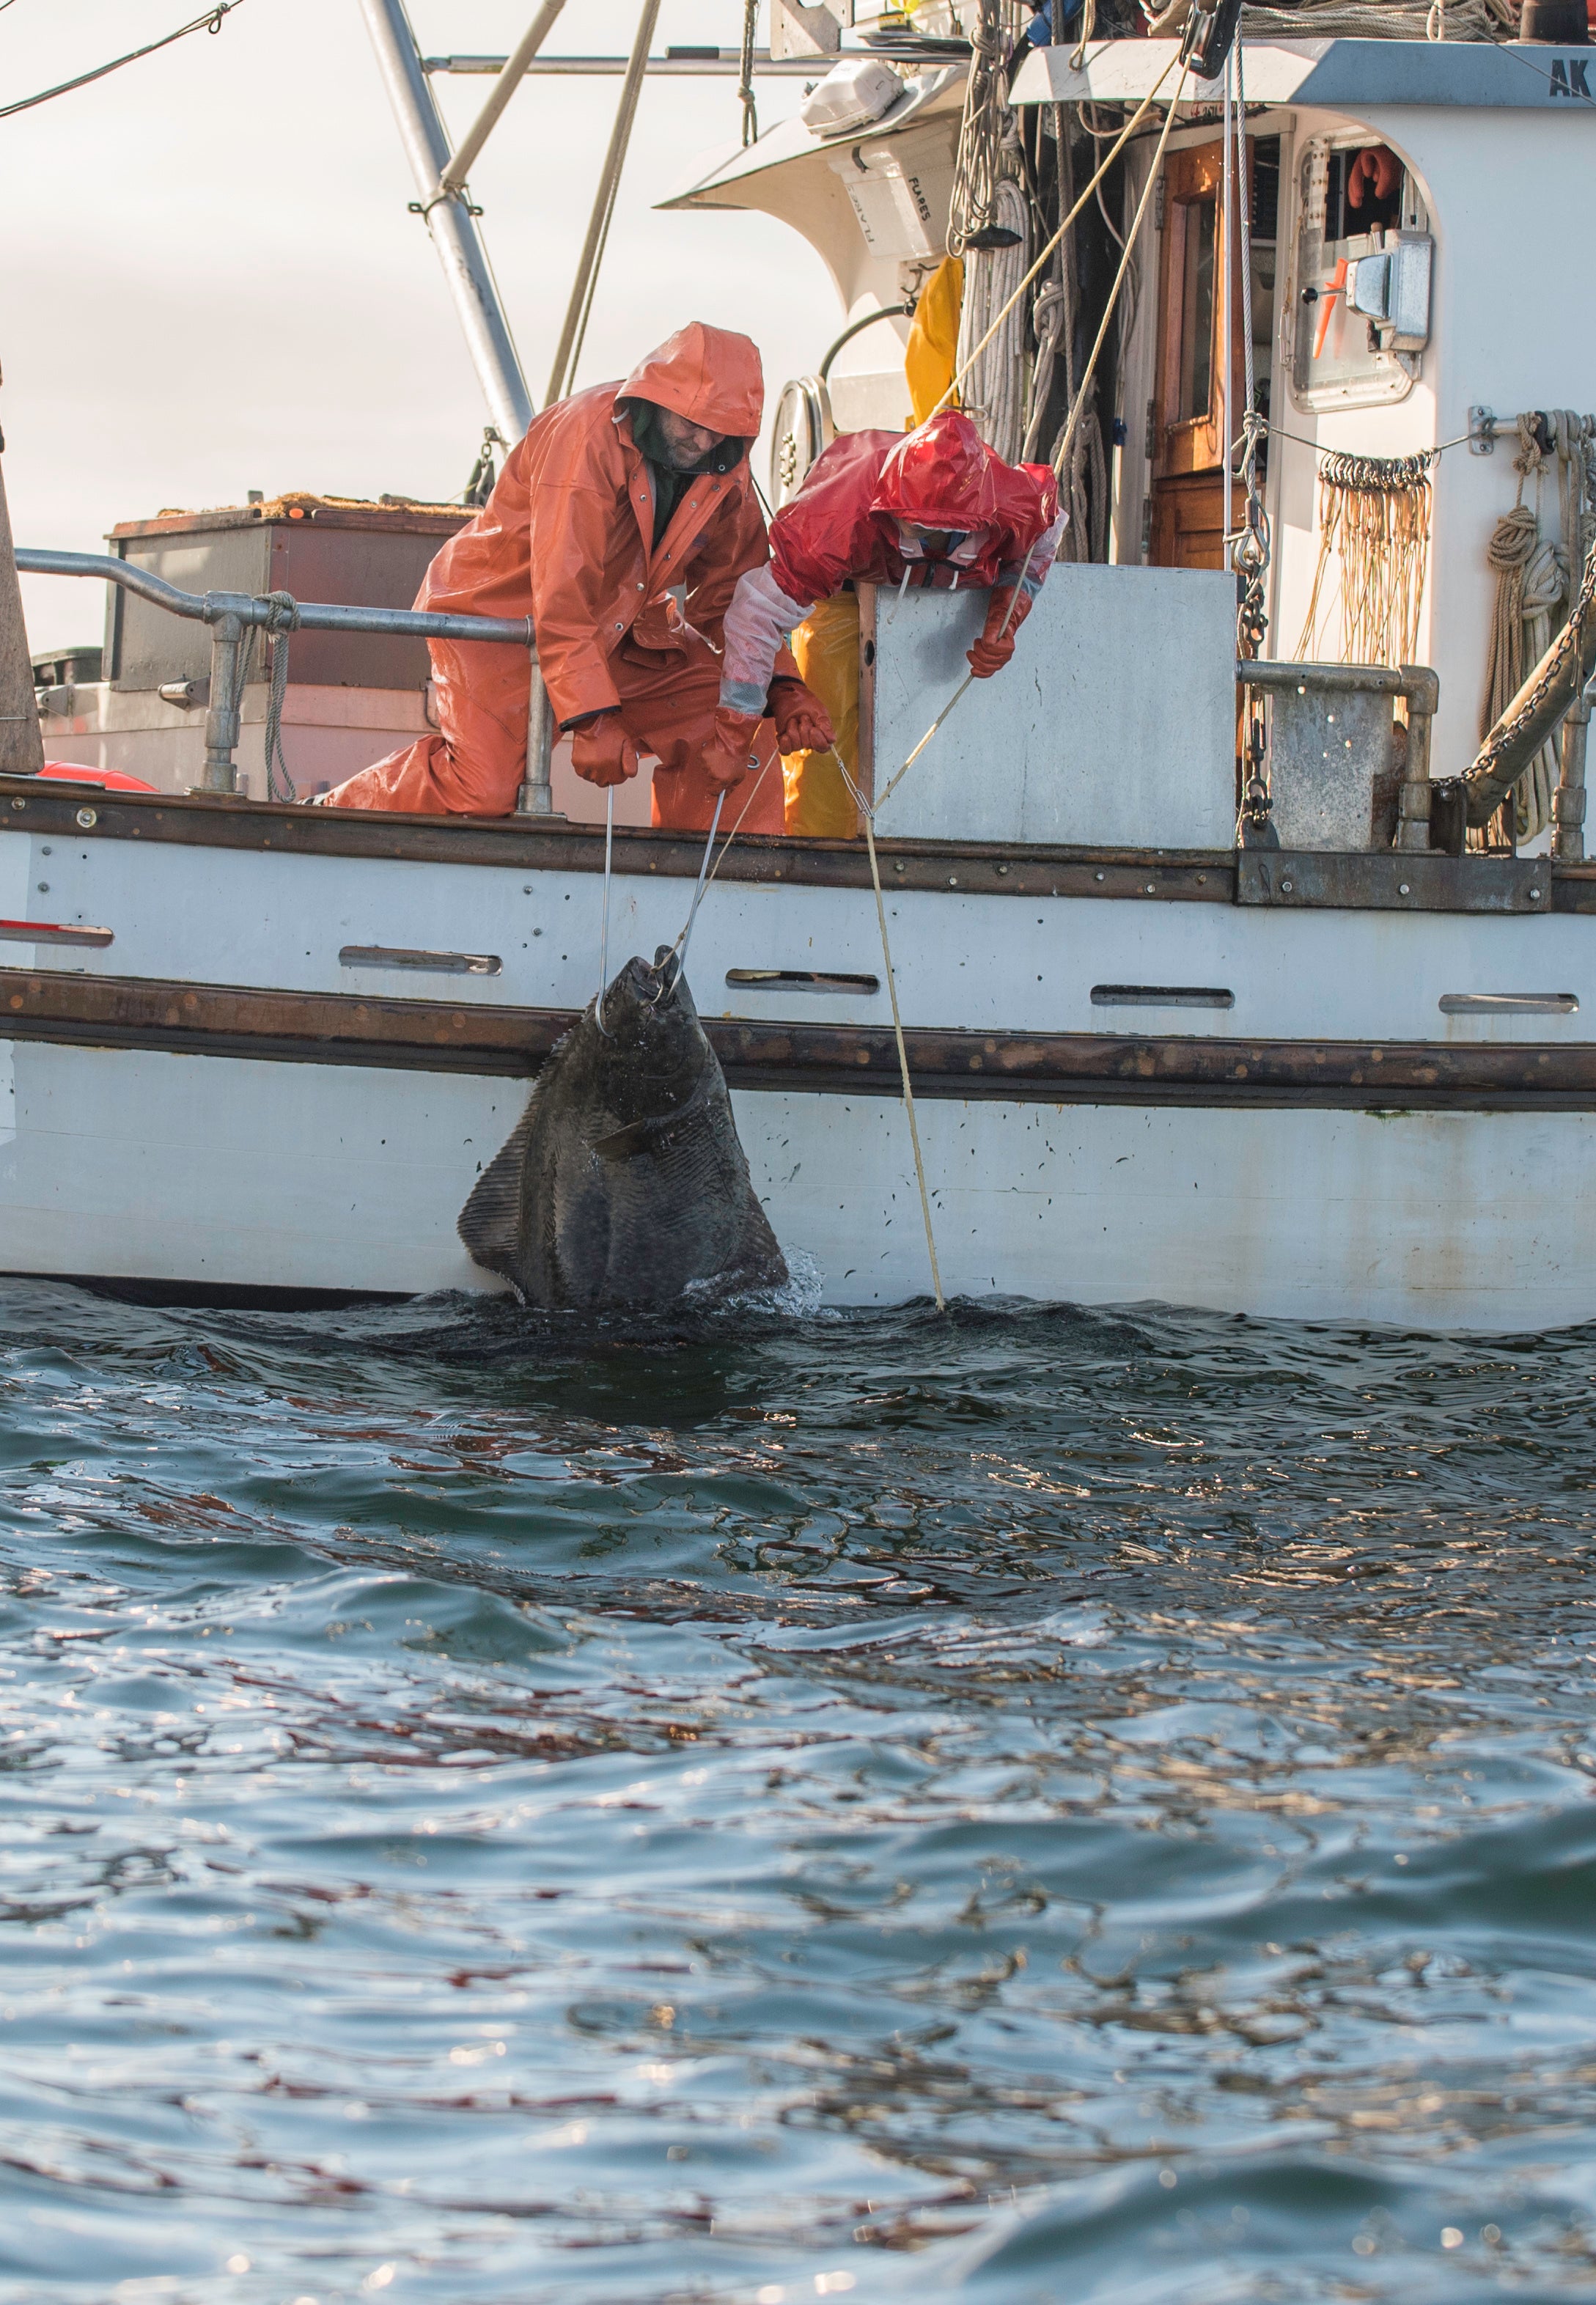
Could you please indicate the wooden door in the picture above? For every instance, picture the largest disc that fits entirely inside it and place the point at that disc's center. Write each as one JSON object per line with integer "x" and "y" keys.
{"x": 1188, "y": 447}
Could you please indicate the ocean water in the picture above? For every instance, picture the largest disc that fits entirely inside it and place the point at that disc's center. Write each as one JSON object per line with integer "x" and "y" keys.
{"x": 1027, "y": 1806}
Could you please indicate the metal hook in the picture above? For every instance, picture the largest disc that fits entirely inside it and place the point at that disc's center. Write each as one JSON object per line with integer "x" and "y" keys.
{"x": 609, "y": 829}
{"x": 699, "y": 891}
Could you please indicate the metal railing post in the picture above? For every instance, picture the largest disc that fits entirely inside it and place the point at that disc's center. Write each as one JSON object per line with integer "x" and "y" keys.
{"x": 220, "y": 773}
{"x": 536, "y": 795}
{"x": 1413, "y": 802}
{"x": 1568, "y": 800}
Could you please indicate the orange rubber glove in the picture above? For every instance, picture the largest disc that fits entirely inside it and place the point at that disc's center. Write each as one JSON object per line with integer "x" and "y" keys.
{"x": 728, "y": 755}
{"x": 601, "y": 752}
{"x": 801, "y": 723}
{"x": 991, "y": 653}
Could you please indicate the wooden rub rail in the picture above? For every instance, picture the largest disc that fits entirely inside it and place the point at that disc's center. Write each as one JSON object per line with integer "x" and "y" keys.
{"x": 220, "y": 1020}
{"x": 527, "y": 844}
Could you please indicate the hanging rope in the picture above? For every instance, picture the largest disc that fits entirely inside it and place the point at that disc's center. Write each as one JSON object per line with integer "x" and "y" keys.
{"x": 994, "y": 397}
{"x": 283, "y": 617}
{"x": 1532, "y": 582}
{"x": 1061, "y": 454}
{"x": 1251, "y": 551}
{"x": 1374, "y": 516}
{"x": 956, "y": 383}
{"x": 980, "y": 129}
{"x": 751, "y": 116}
{"x": 1053, "y": 309}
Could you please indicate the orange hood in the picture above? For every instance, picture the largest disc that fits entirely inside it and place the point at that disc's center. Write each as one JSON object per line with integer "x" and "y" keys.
{"x": 709, "y": 376}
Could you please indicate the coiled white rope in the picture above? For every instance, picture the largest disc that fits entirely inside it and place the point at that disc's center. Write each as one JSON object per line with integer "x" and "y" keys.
{"x": 991, "y": 347}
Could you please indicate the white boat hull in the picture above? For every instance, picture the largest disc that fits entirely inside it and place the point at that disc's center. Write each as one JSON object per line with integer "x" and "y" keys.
{"x": 181, "y": 1164}
{"x": 136, "y": 1164}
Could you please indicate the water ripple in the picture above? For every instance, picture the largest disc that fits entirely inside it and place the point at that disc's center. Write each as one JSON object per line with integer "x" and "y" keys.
{"x": 1032, "y": 1806}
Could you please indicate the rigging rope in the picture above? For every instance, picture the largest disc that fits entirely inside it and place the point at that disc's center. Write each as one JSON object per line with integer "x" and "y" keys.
{"x": 211, "y": 21}
{"x": 1061, "y": 453}
{"x": 995, "y": 395}
{"x": 562, "y": 374}
{"x": 980, "y": 129}
{"x": 956, "y": 384}
{"x": 750, "y": 113}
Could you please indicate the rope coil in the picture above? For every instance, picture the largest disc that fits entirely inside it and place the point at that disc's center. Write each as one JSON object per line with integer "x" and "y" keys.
{"x": 1533, "y": 580}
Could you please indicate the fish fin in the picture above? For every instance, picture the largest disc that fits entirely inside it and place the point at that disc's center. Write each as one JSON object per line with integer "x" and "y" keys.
{"x": 489, "y": 1224}
{"x": 626, "y": 1143}
{"x": 760, "y": 1260}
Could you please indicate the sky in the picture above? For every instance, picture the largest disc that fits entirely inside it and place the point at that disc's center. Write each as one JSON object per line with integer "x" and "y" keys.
{"x": 210, "y": 281}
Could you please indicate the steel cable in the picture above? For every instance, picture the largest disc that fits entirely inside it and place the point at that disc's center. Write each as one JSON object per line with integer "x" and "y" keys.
{"x": 211, "y": 21}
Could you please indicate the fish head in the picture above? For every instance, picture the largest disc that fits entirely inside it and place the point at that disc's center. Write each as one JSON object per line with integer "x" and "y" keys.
{"x": 648, "y": 1042}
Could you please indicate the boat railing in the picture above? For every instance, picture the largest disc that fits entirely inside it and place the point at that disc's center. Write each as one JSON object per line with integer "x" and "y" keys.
{"x": 232, "y": 615}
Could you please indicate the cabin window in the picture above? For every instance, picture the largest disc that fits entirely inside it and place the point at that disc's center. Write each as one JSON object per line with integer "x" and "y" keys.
{"x": 1354, "y": 198}
{"x": 1198, "y": 226}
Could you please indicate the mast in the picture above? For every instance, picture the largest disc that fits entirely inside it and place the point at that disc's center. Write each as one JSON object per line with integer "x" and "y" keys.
{"x": 449, "y": 219}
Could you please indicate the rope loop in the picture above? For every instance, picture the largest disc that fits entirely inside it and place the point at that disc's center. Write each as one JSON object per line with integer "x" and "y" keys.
{"x": 282, "y": 619}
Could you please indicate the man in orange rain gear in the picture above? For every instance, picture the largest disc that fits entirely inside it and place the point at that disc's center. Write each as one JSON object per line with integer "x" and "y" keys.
{"x": 933, "y": 508}
{"x": 620, "y": 524}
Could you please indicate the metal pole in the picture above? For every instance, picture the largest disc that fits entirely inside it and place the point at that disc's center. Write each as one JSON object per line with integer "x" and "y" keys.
{"x": 610, "y": 836}
{"x": 536, "y": 796}
{"x": 221, "y": 721}
{"x": 1568, "y": 800}
{"x": 454, "y": 172}
{"x": 615, "y": 158}
{"x": 449, "y": 220}
{"x": 1225, "y": 254}
{"x": 1416, "y": 793}
{"x": 22, "y": 742}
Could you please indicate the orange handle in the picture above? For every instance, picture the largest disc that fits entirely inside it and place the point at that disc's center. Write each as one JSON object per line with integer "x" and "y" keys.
{"x": 1336, "y": 287}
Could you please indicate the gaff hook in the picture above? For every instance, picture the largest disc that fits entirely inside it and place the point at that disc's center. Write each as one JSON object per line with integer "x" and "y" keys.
{"x": 609, "y": 830}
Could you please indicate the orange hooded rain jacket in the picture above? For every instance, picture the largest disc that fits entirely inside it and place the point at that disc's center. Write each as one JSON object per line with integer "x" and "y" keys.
{"x": 567, "y": 538}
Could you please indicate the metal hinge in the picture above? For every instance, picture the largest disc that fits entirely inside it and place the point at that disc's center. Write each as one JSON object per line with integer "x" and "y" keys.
{"x": 1158, "y": 204}
{"x": 1150, "y": 436}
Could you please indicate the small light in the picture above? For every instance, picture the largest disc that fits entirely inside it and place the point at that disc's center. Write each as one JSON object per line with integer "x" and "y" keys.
{"x": 1450, "y": 2237}
{"x": 1168, "y": 2180}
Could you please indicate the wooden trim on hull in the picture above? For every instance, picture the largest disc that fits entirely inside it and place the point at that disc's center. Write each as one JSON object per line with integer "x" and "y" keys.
{"x": 1382, "y": 882}
{"x": 332, "y": 1028}
{"x": 529, "y": 843}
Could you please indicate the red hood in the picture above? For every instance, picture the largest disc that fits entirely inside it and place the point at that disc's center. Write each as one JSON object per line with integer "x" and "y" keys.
{"x": 940, "y": 476}
{"x": 709, "y": 376}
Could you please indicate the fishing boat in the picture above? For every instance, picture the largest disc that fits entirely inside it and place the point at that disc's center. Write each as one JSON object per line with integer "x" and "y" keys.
{"x": 1237, "y": 932}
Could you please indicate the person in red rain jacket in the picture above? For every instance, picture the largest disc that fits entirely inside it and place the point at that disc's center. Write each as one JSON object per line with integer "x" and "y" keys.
{"x": 620, "y": 524}
{"x": 934, "y": 508}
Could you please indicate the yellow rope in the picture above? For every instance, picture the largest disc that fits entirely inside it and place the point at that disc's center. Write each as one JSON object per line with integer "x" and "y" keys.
{"x": 1061, "y": 453}
{"x": 1113, "y": 153}
{"x": 897, "y": 1027}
